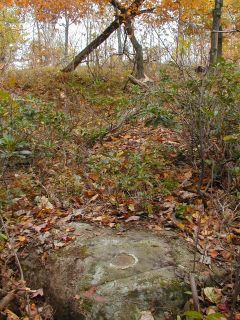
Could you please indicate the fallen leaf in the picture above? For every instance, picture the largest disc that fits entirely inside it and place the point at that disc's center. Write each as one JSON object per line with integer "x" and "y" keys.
{"x": 99, "y": 298}
{"x": 11, "y": 315}
{"x": 213, "y": 253}
{"x": 89, "y": 293}
{"x": 214, "y": 295}
{"x": 37, "y": 293}
{"x": 146, "y": 315}
{"x": 22, "y": 239}
{"x": 131, "y": 207}
{"x": 133, "y": 218}
{"x": 188, "y": 174}
{"x": 93, "y": 176}
{"x": 223, "y": 307}
{"x": 89, "y": 193}
{"x": 43, "y": 203}
{"x": 68, "y": 239}
{"x": 186, "y": 195}
{"x": 94, "y": 198}
{"x": 205, "y": 260}
{"x": 237, "y": 231}
{"x": 40, "y": 227}
{"x": 112, "y": 225}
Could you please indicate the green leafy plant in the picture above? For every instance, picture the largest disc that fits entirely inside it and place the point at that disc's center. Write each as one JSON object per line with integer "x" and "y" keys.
{"x": 190, "y": 315}
{"x": 3, "y": 237}
{"x": 168, "y": 185}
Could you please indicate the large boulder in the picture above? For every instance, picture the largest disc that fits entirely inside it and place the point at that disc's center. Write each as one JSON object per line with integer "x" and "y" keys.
{"x": 104, "y": 275}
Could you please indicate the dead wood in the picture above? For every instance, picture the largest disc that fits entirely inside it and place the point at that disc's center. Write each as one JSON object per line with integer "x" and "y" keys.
{"x": 5, "y": 301}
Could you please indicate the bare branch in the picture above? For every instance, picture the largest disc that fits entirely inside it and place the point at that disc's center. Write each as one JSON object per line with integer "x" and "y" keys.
{"x": 226, "y": 31}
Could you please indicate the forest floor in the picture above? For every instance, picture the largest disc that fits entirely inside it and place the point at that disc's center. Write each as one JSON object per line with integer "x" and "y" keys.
{"x": 73, "y": 167}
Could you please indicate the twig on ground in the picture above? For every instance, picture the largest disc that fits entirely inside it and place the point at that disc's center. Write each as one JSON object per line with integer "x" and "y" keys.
{"x": 11, "y": 247}
{"x": 194, "y": 291}
{"x": 5, "y": 301}
{"x": 236, "y": 290}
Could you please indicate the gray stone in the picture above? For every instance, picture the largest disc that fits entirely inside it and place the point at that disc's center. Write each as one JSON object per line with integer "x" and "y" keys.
{"x": 105, "y": 276}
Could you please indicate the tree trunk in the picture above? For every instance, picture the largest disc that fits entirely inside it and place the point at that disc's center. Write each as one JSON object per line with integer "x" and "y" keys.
{"x": 131, "y": 12}
{"x": 138, "y": 50}
{"x": 119, "y": 38}
{"x": 66, "y": 42}
{"x": 93, "y": 45}
{"x": 179, "y": 37}
{"x": 220, "y": 43}
{"x": 215, "y": 35}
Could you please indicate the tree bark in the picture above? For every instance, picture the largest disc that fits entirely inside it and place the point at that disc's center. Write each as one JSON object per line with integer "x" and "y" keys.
{"x": 66, "y": 40}
{"x": 93, "y": 45}
{"x": 215, "y": 28}
{"x": 136, "y": 45}
{"x": 131, "y": 12}
{"x": 220, "y": 43}
{"x": 138, "y": 50}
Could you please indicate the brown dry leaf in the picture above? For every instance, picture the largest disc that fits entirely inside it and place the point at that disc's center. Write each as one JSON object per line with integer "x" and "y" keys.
{"x": 179, "y": 225}
{"x": 11, "y": 315}
{"x": 89, "y": 193}
{"x": 213, "y": 253}
{"x": 211, "y": 310}
{"x": 133, "y": 218}
{"x": 146, "y": 315}
{"x": 22, "y": 239}
{"x": 223, "y": 307}
{"x": 94, "y": 198}
{"x": 156, "y": 228}
{"x": 188, "y": 174}
{"x": 40, "y": 227}
{"x": 226, "y": 255}
{"x": 99, "y": 298}
{"x": 38, "y": 293}
{"x": 43, "y": 203}
{"x": 93, "y": 176}
{"x": 89, "y": 293}
{"x": 70, "y": 229}
{"x": 131, "y": 207}
{"x": 186, "y": 195}
{"x": 112, "y": 225}
{"x": 235, "y": 230}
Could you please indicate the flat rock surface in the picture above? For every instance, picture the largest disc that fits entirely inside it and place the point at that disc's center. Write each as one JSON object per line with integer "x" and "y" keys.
{"x": 105, "y": 275}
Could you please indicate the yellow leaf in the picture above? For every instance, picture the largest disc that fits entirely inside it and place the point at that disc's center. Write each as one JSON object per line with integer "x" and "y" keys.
{"x": 131, "y": 207}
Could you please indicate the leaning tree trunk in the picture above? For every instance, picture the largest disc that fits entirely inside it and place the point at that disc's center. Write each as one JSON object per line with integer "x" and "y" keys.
{"x": 138, "y": 50}
{"x": 93, "y": 45}
{"x": 128, "y": 15}
{"x": 215, "y": 50}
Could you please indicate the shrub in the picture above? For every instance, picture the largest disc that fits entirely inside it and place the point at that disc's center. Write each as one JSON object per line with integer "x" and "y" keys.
{"x": 211, "y": 112}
